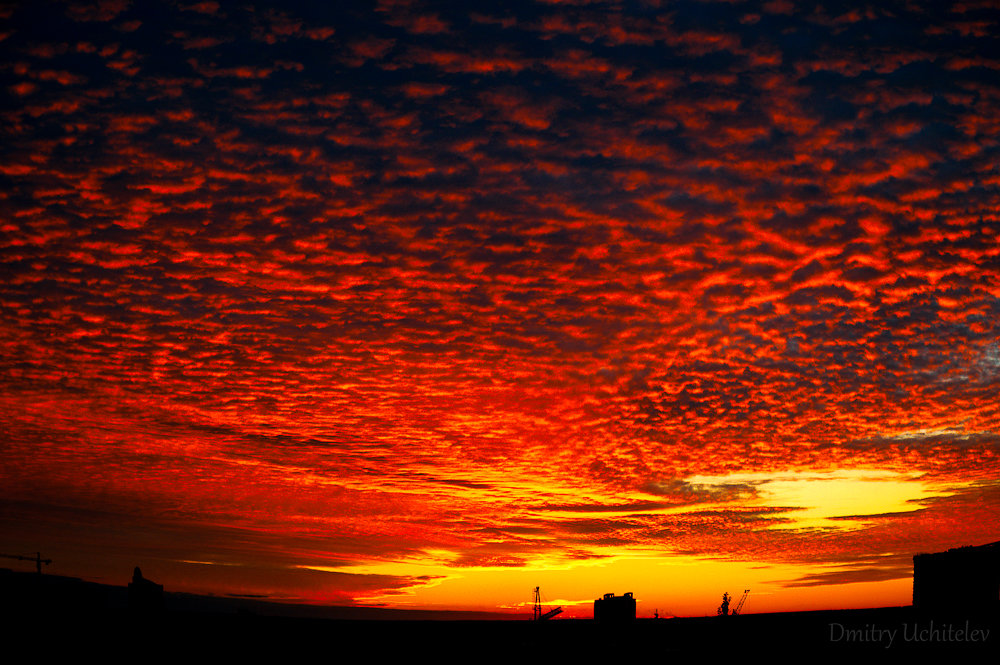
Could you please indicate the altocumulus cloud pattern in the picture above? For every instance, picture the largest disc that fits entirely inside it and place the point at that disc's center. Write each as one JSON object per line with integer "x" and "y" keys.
{"x": 328, "y": 285}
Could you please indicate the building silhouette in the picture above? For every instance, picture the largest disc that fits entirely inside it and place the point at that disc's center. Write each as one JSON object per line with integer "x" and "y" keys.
{"x": 614, "y": 609}
{"x": 144, "y": 595}
{"x": 961, "y": 578}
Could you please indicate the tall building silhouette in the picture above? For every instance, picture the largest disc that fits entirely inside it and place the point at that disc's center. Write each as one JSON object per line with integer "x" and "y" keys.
{"x": 960, "y": 578}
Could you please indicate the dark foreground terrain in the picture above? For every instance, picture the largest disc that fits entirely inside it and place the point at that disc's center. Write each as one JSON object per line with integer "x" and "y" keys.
{"x": 57, "y": 617}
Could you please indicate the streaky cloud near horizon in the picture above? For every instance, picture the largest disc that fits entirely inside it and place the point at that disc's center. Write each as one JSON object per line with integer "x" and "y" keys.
{"x": 394, "y": 303}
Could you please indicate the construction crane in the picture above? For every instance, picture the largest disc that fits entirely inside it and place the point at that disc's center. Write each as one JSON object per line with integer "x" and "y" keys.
{"x": 37, "y": 559}
{"x": 538, "y": 615}
{"x": 739, "y": 606}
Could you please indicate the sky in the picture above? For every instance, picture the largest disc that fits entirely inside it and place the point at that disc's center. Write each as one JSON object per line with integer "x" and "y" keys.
{"x": 422, "y": 306}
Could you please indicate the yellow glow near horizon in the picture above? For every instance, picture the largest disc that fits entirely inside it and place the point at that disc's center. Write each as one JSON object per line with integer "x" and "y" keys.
{"x": 815, "y": 498}
{"x": 674, "y": 584}
{"x": 669, "y": 585}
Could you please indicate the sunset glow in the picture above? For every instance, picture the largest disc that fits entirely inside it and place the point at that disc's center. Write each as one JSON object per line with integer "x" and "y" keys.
{"x": 415, "y": 305}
